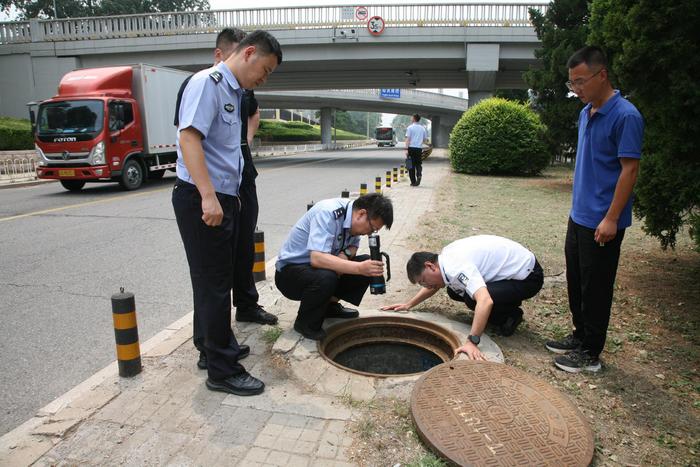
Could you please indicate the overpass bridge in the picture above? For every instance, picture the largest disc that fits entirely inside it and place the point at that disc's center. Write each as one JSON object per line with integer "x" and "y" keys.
{"x": 481, "y": 47}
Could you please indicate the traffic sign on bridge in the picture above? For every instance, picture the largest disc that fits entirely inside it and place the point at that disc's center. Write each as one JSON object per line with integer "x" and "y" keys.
{"x": 361, "y": 13}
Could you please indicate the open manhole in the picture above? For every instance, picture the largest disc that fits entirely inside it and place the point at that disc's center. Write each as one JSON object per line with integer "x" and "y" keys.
{"x": 387, "y": 345}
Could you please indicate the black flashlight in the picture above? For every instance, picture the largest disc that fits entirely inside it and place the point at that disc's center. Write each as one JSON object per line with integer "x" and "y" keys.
{"x": 377, "y": 284}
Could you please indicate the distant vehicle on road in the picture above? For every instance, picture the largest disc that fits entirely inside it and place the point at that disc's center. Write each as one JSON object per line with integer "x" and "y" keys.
{"x": 107, "y": 124}
{"x": 385, "y": 136}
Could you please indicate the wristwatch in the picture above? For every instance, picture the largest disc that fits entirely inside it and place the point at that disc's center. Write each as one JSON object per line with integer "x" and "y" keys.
{"x": 348, "y": 252}
{"x": 474, "y": 339}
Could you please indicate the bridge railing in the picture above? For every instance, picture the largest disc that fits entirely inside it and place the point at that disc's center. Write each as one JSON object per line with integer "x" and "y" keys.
{"x": 197, "y": 22}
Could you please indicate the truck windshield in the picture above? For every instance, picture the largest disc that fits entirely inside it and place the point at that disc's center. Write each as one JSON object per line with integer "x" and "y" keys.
{"x": 384, "y": 133}
{"x": 70, "y": 117}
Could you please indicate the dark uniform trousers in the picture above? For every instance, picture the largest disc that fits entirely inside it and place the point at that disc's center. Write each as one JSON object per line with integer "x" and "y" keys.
{"x": 590, "y": 278}
{"x": 210, "y": 254}
{"x": 507, "y": 295}
{"x": 245, "y": 294}
{"x": 314, "y": 287}
{"x": 415, "y": 173}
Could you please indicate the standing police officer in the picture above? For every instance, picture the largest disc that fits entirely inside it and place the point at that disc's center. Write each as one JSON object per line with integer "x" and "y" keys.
{"x": 245, "y": 294}
{"x": 206, "y": 198}
{"x": 318, "y": 263}
{"x": 416, "y": 135}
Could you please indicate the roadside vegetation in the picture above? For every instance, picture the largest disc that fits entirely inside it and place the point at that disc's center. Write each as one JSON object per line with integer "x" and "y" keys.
{"x": 644, "y": 407}
{"x": 282, "y": 131}
{"x": 15, "y": 134}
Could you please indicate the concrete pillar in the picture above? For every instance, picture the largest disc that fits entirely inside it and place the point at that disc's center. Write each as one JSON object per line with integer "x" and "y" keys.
{"x": 477, "y": 96}
{"x": 434, "y": 132}
{"x": 326, "y": 125}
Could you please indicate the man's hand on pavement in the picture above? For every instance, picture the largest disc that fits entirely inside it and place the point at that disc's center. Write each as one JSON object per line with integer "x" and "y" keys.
{"x": 396, "y": 307}
{"x": 471, "y": 350}
{"x": 212, "y": 214}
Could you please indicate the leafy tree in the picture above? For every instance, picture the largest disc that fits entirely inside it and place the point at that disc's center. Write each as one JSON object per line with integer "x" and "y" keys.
{"x": 562, "y": 30}
{"x": 77, "y": 8}
{"x": 652, "y": 49}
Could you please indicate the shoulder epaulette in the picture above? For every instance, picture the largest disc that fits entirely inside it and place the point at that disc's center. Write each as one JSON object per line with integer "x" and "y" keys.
{"x": 338, "y": 213}
{"x": 216, "y": 76}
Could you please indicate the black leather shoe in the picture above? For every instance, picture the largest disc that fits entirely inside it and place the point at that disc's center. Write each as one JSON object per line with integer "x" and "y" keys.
{"x": 256, "y": 315}
{"x": 243, "y": 353}
{"x": 313, "y": 334}
{"x": 511, "y": 323}
{"x": 241, "y": 385}
{"x": 336, "y": 310}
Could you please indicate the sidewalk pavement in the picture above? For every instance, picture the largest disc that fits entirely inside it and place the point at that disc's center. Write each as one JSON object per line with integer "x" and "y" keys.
{"x": 166, "y": 416}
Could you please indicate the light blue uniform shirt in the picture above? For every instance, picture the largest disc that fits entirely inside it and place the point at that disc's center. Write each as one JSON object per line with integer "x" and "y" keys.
{"x": 325, "y": 228}
{"x": 616, "y": 130}
{"x": 416, "y": 134}
{"x": 213, "y": 109}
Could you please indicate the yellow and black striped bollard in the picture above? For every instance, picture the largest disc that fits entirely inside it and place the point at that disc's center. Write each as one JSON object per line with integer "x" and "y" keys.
{"x": 259, "y": 257}
{"x": 378, "y": 185}
{"x": 363, "y": 189}
{"x": 403, "y": 171}
{"x": 345, "y": 193}
{"x": 126, "y": 333}
{"x": 395, "y": 173}
{"x": 388, "y": 178}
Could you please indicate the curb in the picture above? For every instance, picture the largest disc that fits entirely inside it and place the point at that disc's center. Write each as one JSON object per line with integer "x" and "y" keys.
{"x": 18, "y": 184}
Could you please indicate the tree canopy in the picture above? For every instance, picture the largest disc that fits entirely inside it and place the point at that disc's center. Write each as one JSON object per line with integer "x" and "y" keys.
{"x": 562, "y": 30}
{"x": 79, "y": 8}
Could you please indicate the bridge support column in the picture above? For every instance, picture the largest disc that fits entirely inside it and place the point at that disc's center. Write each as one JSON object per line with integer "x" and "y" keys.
{"x": 326, "y": 125}
{"x": 477, "y": 96}
{"x": 440, "y": 130}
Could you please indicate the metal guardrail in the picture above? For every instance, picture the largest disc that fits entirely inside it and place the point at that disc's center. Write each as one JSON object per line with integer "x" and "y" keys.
{"x": 198, "y": 22}
{"x": 21, "y": 168}
{"x": 275, "y": 150}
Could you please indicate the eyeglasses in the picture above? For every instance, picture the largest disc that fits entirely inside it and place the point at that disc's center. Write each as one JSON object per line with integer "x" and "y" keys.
{"x": 571, "y": 85}
{"x": 369, "y": 221}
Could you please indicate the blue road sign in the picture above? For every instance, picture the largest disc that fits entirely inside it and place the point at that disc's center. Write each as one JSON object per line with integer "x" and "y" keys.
{"x": 390, "y": 93}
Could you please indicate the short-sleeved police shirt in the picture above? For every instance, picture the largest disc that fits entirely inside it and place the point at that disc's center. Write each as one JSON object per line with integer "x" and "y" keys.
{"x": 416, "y": 134}
{"x": 471, "y": 263}
{"x": 325, "y": 228}
{"x": 614, "y": 131}
{"x": 211, "y": 104}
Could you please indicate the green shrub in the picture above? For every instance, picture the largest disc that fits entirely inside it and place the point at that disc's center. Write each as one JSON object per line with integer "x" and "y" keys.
{"x": 301, "y": 125}
{"x": 15, "y": 134}
{"x": 498, "y": 136}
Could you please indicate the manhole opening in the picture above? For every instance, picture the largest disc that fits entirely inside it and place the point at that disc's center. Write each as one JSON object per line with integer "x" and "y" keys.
{"x": 388, "y": 346}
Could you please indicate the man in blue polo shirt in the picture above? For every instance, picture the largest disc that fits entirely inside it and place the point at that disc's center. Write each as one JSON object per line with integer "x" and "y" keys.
{"x": 610, "y": 131}
{"x": 206, "y": 199}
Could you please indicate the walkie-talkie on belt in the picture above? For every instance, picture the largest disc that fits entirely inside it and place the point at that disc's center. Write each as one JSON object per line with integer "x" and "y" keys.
{"x": 377, "y": 285}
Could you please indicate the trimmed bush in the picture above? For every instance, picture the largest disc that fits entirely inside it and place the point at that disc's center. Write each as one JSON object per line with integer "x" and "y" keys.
{"x": 498, "y": 136}
{"x": 276, "y": 130}
{"x": 15, "y": 134}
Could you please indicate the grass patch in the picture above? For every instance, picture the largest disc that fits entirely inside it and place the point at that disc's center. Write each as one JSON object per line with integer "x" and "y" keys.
{"x": 271, "y": 334}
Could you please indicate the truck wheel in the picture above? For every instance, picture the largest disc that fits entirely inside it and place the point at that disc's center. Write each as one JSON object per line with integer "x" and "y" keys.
{"x": 132, "y": 175}
{"x": 73, "y": 185}
{"x": 156, "y": 174}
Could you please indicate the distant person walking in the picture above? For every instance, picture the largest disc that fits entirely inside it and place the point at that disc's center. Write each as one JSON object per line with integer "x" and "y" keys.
{"x": 416, "y": 135}
{"x": 610, "y": 131}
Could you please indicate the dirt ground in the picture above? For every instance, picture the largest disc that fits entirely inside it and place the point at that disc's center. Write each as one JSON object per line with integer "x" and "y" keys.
{"x": 644, "y": 407}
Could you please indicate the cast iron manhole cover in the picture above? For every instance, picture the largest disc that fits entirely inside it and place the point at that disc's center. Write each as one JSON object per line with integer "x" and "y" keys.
{"x": 484, "y": 413}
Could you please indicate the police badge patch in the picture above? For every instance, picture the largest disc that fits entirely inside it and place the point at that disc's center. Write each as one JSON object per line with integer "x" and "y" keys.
{"x": 229, "y": 107}
{"x": 463, "y": 279}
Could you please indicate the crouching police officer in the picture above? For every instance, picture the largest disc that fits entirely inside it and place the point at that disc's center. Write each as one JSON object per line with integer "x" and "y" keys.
{"x": 492, "y": 275}
{"x": 318, "y": 264}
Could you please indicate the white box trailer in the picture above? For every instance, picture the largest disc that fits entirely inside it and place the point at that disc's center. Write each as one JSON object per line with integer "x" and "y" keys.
{"x": 155, "y": 89}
